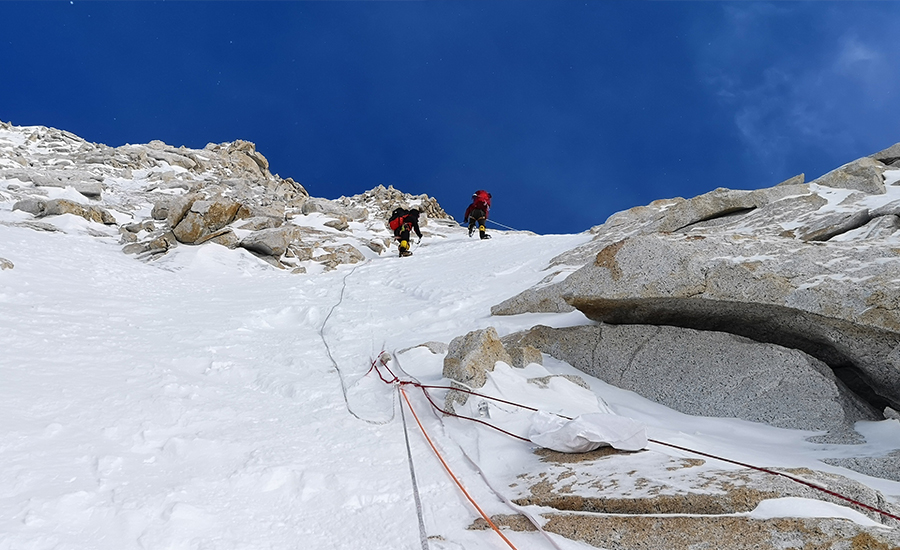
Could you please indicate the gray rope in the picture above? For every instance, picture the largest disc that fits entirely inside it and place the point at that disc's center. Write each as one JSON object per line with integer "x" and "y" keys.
{"x": 334, "y": 362}
{"x": 484, "y": 477}
{"x": 423, "y": 536}
{"x": 501, "y": 225}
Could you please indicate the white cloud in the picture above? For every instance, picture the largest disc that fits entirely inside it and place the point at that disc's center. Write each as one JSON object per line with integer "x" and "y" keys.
{"x": 855, "y": 53}
{"x": 833, "y": 90}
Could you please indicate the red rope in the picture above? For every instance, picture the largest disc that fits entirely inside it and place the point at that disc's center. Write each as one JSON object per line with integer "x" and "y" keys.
{"x": 777, "y": 473}
{"x": 486, "y": 397}
{"x": 448, "y": 413}
{"x": 449, "y": 471}
{"x": 701, "y": 453}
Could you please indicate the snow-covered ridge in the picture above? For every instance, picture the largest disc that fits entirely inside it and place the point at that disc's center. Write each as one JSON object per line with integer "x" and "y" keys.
{"x": 155, "y": 197}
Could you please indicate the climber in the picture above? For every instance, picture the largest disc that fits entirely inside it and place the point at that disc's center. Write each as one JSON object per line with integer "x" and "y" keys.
{"x": 477, "y": 212}
{"x": 402, "y": 222}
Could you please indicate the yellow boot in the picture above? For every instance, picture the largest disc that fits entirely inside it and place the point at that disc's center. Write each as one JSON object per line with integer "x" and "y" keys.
{"x": 404, "y": 249}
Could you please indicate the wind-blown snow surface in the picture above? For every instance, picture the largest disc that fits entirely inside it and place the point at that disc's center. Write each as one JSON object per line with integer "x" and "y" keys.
{"x": 190, "y": 403}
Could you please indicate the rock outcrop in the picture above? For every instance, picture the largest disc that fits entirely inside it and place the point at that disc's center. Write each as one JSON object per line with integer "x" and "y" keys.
{"x": 806, "y": 266}
{"x": 601, "y": 498}
{"x": 708, "y": 373}
{"x": 836, "y": 302}
{"x": 223, "y": 194}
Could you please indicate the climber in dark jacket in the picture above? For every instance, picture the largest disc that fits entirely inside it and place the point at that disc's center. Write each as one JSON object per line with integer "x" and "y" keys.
{"x": 402, "y": 222}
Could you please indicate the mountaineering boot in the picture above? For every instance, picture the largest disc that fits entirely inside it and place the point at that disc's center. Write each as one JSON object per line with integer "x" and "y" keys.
{"x": 481, "y": 232}
{"x": 471, "y": 229}
{"x": 404, "y": 249}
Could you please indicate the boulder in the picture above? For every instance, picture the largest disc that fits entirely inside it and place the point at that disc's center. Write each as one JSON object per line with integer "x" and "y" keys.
{"x": 710, "y": 373}
{"x": 292, "y": 193}
{"x": 889, "y": 209}
{"x": 163, "y": 242}
{"x": 545, "y": 381}
{"x": 471, "y": 356}
{"x": 340, "y": 254}
{"x": 888, "y": 156}
{"x": 299, "y": 252}
{"x": 126, "y": 236}
{"x": 35, "y": 207}
{"x": 90, "y": 189}
{"x": 375, "y": 246}
{"x": 865, "y": 174}
{"x": 56, "y": 207}
{"x": 885, "y": 467}
{"x": 176, "y": 209}
{"x": 135, "y": 248}
{"x": 204, "y": 218}
{"x": 719, "y": 203}
{"x": 160, "y": 210}
{"x": 880, "y": 227}
{"x": 271, "y": 242}
{"x": 546, "y": 299}
{"x": 784, "y": 292}
{"x": 340, "y": 224}
{"x": 385, "y": 199}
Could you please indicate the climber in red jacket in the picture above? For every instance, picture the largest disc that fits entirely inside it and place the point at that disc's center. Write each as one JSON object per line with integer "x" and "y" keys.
{"x": 477, "y": 212}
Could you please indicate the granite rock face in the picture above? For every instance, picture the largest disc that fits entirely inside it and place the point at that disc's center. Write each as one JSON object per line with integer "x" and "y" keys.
{"x": 709, "y": 373}
{"x": 806, "y": 266}
{"x": 792, "y": 294}
{"x": 605, "y": 499}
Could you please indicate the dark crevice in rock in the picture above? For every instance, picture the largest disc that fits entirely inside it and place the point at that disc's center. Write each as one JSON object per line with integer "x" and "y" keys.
{"x": 729, "y": 213}
{"x": 860, "y": 384}
{"x": 839, "y": 344}
{"x": 861, "y": 219}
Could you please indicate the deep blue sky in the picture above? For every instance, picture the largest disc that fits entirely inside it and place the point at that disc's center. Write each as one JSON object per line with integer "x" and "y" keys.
{"x": 566, "y": 111}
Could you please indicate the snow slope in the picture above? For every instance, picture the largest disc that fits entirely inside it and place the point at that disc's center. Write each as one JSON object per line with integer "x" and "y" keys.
{"x": 197, "y": 402}
{"x": 190, "y": 403}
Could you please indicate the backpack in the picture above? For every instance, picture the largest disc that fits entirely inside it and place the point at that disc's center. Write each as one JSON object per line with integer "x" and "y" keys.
{"x": 482, "y": 198}
{"x": 397, "y": 217}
